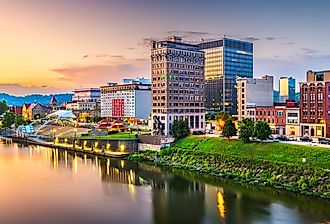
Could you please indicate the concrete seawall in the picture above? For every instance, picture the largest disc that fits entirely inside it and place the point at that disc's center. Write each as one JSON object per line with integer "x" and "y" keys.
{"x": 88, "y": 146}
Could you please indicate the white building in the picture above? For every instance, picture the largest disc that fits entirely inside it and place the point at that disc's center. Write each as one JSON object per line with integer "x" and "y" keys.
{"x": 292, "y": 126}
{"x": 126, "y": 100}
{"x": 85, "y": 100}
{"x": 140, "y": 80}
{"x": 86, "y": 95}
{"x": 252, "y": 93}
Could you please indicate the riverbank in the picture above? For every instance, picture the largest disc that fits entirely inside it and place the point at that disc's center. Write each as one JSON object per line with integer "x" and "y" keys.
{"x": 73, "y": 148}
{"x": 295, "y": 168}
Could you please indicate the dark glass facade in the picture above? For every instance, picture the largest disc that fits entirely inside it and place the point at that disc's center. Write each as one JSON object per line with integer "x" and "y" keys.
{"x": 225, "y": 59}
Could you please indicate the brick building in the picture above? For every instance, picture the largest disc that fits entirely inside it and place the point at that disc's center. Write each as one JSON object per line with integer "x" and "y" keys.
{"x": 315, "y": 104}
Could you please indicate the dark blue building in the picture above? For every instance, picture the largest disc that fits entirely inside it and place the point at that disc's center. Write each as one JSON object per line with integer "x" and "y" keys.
{"x": 225, "y": 60}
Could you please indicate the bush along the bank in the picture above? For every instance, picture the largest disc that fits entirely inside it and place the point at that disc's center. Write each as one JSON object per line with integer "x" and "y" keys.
{"x": 294, "y": 177}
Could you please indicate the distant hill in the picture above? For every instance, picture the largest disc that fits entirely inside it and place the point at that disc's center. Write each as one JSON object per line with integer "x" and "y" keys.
{"x": 42, "y": 99}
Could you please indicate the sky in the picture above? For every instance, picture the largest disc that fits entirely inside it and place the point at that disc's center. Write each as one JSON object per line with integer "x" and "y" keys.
{"x": 52, "y": 46}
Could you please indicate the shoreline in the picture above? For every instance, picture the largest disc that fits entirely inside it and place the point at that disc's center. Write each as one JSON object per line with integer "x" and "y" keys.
{"x": 278, "y": 175}
{"x": 69, "y": 148}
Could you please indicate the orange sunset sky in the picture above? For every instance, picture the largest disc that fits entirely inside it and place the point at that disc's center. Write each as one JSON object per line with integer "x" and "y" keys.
{"x": 55, "y": 46}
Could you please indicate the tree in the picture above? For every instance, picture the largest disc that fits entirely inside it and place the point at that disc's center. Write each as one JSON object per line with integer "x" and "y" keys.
{"x": 88, "y": 119}
{"x": 3, "y": 107}
{"x": 246, "y": 129}
{"x": 96, "y": 119}
{"x": 180, "y": 129}
{"x": 8, "y": 120}
{"x": 229, "y": 129}
{"x": 221, "y": 118}
{"x": 19, "y": 120}
{"x": 262, "y": 130}
{"x": 210, "y": 117}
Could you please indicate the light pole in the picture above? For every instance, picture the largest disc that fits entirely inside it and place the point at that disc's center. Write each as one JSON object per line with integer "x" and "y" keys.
{"x": 74, "y": 139}
{"x": 54, "y": 135}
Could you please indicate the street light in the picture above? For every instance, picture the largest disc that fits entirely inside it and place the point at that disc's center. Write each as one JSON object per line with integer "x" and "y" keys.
{"x": 54, "y": 135}
{"x": 74, "y": 139}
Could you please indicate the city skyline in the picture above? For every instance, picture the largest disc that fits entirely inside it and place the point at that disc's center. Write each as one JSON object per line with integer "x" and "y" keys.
{"x": 50, "y": 47}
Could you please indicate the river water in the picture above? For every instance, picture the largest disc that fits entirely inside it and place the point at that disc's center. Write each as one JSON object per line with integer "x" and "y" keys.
{"x": 43, "y": 185}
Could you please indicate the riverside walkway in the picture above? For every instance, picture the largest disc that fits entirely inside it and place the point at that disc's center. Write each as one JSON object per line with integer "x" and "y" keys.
{"x": 70, "y": 147}
{"x": 6, "y": 140}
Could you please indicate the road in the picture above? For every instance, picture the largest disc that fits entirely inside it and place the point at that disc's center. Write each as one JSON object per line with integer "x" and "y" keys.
{"x": 284, "y": 142}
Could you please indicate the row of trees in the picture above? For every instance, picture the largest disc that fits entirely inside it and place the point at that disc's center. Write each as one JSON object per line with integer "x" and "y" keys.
{"x": 9, "y": 119}
{"x": 247, "y": 128}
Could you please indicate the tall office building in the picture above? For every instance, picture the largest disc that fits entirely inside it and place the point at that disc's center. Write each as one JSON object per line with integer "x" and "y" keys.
{"x": 177, "y": 84}
{"x": 225, "y": 60}
{"x": 287, "y": 87}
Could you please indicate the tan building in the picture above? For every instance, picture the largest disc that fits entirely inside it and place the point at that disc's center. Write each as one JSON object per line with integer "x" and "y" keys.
{"x": 253, "y": 92}
{"x": 292, "y": 126}
{"x": 34, "y": 110}
{"x": 177, "y": 84}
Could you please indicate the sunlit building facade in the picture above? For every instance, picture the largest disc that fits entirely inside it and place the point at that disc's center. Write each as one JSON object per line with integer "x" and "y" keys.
{"x": 177, "y": 84}
{"x": 287, "y": 89}
{"x": 225, "y": 60}
{"x": 315, "y": 104}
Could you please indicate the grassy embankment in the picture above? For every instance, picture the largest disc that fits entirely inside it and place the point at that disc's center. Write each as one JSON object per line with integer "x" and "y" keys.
{"x": 275, "y": 164}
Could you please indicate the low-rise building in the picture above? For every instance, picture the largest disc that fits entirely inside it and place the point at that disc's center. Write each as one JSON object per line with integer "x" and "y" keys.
{"x": 315, "y": 104}
{"x": 85, "y": 102}
{"x": 292, "y": 127}
{"x": 253, "y": 92}
{"x": 17, "y": 110}
{"x": 274, "y": 115}
{"x": 34, "y": 111}
{"x": 130, "y": 100}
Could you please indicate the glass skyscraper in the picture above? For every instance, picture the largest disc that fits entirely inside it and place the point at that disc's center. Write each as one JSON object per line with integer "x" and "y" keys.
{"x": 287, "y": 89}
{"x": 225, "y": 60}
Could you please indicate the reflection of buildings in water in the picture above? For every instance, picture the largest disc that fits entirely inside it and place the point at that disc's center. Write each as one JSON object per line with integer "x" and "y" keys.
{"x": 235, "y": 207}
{"x": 178, "y": 193}
{"x": 221, "y": 204}
{"x": 119, "y": 171}
{"x": 62, "y": 159}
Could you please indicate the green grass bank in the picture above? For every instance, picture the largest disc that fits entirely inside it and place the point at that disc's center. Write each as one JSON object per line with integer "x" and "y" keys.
{"x": 273, "y": 164}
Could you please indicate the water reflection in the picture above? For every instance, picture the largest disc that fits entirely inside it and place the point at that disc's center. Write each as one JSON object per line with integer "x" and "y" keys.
{"x": 105, "y": 190}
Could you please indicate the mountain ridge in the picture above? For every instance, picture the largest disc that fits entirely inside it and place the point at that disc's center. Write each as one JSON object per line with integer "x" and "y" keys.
{"x": 13, "y": 100}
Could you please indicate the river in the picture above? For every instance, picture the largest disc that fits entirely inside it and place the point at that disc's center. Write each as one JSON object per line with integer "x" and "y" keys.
{"x": 43, "y": 185}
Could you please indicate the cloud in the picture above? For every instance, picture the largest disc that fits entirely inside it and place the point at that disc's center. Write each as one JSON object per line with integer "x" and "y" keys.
{"x": 146, "y": 42}
{"x": 270, "y": 38}
{"x": 251, "y": 39}
{"x": 309, "y": 50}
{"x": 289, "y": 43}
{"x": 142, "y": 59}
{"x": 100, "y": 74}
{"x": 18, "y": 89}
